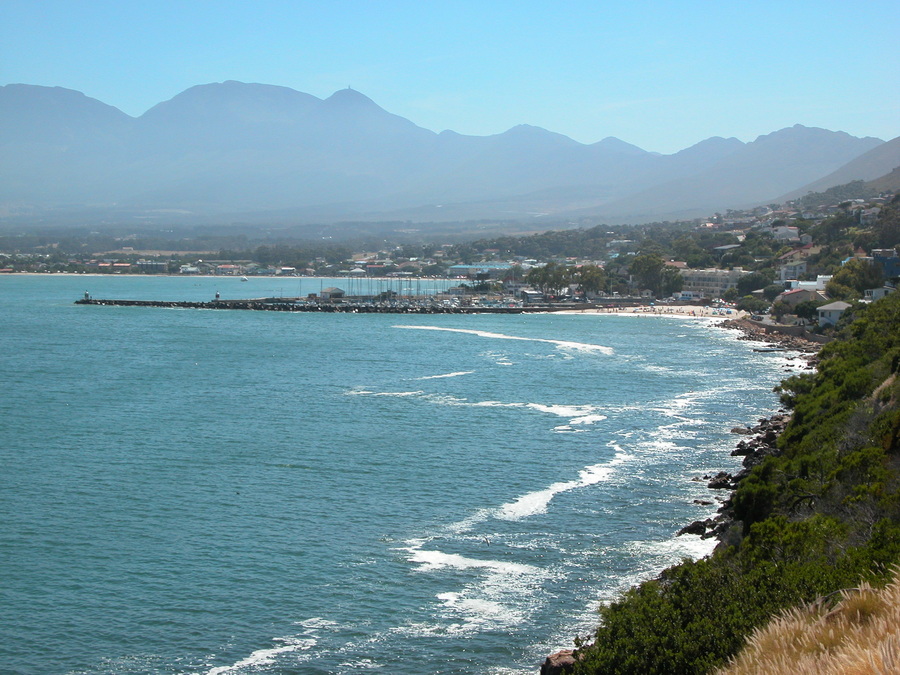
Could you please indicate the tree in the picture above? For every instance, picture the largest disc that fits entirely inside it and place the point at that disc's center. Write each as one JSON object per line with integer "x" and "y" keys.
{"x": 887, "y": 227}
{"x": 807, "y": 309}
{"x": 672, "y": 281}
{"x": 590, "y": 279}
{"x": 834, "y": 228}
{"x": 772, "y": 291}
{"x": 751, "y": 282}
{"x": 753, "y": 305}
{"x": 850, "y": 282}
{"x": 779, "y": 309}
{"x": 648, "y": 270}
{"x": 551, "y": 278}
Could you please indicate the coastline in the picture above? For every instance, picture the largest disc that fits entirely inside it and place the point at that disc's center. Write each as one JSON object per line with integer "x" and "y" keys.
{"x": 760, "y": 441}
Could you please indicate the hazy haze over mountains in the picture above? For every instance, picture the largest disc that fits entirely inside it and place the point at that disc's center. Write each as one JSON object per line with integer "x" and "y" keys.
{"x": 231, "y": 148}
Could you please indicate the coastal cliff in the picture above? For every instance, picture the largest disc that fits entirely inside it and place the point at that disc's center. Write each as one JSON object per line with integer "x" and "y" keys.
{"x": 816, "y": 509}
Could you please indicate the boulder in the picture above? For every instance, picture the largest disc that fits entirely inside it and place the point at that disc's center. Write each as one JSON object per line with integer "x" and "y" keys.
{"x": 559, "y": 663}
{"x": 720, "y": 481}
{"x": 697, "y": 527}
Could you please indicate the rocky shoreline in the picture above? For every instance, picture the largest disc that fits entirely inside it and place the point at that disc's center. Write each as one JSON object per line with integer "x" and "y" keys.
{"x": 771, "y": 335}
{"x": 761, "y": 442}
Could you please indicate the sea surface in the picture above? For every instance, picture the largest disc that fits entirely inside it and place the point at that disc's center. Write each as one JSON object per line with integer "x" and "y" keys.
{"x": 211, "y": 492}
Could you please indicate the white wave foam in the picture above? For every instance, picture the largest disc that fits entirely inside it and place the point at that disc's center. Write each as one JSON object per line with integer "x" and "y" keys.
{"x": 562, "y": 344}
{"x": 466, "y": 524}
{"x": 398, "y": 393}
{"x": 264, "y": 657}
{"x": 359, "y": 391}
{"x": 499, "y": 358}
{"x": 579, "y": 415}
{"x": 671, "y": 551}
{"x": 479, "y": 612}
{"x": 316, "y": 622}
{"x": 361, "y": 664}
{"x": 587, "y": 419}
{"x": 573, "y": 411}
{"x": 493, "y": 600}
{"x": 536, "y": 502}
{"x": 566, "y": 429}
{"x": 435, "y": 560}
{"x": 440, "y": 377}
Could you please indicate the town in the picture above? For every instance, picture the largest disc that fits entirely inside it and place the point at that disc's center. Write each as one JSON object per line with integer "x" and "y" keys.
{"x": 802, "y": 262}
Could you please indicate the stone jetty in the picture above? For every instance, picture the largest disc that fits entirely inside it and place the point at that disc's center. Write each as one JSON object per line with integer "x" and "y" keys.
{"x": 350, "y": 307}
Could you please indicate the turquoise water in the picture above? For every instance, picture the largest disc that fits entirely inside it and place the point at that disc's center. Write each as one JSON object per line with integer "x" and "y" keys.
{"x": 193, "y": 491}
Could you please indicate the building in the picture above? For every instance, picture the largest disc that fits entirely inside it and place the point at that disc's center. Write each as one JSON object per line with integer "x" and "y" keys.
{"x": 711, "y": 283}
{"x": 818, "y": 285}
{"x": 888, "y": 260}
{"x": 492, "y": 270}
{"x": 794, "y": 297}
{"x": 785, "y": 233}
{"x": 332, "y": 293}
{"x": 791, "y": 270}
{"x": 830, "y": 313}
{"x": 153, "y": 266}
{"x": 872, "y": 294}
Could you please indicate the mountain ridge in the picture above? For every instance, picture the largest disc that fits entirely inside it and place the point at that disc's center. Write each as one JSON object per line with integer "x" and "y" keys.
{"x": 230, "y": 147}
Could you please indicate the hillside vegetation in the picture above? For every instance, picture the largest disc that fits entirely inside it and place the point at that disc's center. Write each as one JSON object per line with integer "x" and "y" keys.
{"x": 821, "y": 515}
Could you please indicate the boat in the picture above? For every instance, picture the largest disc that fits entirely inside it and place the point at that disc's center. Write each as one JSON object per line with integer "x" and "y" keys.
{"x": 244, "y": 279}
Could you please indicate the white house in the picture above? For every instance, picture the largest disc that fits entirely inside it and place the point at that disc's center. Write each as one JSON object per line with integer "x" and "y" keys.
{"x": 830, "y": 313}
{"x": 873, "y": 294}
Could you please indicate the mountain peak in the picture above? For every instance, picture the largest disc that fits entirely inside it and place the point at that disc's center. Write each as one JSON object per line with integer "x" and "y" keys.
{"x": 618, "y": 145}
{"x": 233, "y": 100}
{"x": 347, "y": 98}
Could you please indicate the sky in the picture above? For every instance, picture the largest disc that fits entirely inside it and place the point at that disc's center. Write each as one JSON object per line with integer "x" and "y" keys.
{"x": 662, "y": 75}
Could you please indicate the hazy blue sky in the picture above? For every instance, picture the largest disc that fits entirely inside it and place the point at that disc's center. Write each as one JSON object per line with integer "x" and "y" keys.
{"x": 661, "y": 75}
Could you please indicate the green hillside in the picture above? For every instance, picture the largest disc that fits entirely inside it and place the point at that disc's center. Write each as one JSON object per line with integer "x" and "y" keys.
{"x": 821, "y": 514}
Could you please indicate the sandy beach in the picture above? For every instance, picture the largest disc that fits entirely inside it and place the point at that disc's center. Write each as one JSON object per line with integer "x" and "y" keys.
{"x": 665, "y": 310}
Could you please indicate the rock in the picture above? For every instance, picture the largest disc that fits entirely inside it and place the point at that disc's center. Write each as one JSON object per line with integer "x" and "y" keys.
{"x": 742, "y": 449}
{"x": 741, "y": 430}
{"x": 697, "y": 527}
{"x": 702, "y": 502}
{"x": 559, "y": 663}
{"x": 720, "y": 481}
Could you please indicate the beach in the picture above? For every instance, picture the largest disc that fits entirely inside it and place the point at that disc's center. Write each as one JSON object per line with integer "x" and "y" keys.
{"x": 665, "y": 310}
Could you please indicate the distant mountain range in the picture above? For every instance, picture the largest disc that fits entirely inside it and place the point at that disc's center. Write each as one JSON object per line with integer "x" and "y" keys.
{"x": 231, "y": 150}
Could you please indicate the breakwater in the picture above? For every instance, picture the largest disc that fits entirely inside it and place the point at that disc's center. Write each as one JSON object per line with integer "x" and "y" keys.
{"x": 292, "y": 305}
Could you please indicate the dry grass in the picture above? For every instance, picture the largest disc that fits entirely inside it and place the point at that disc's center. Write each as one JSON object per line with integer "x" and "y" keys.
{"x": 860, "y": 635}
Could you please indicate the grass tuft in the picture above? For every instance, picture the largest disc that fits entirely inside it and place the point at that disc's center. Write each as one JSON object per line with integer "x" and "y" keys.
{"x": 860, "y": 635}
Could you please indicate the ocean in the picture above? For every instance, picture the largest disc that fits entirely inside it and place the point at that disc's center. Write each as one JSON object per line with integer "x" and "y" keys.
{"x": 211, "y": 492}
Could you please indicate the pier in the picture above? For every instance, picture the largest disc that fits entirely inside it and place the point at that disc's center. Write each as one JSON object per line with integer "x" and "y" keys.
{"x": 347, "y": 306}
